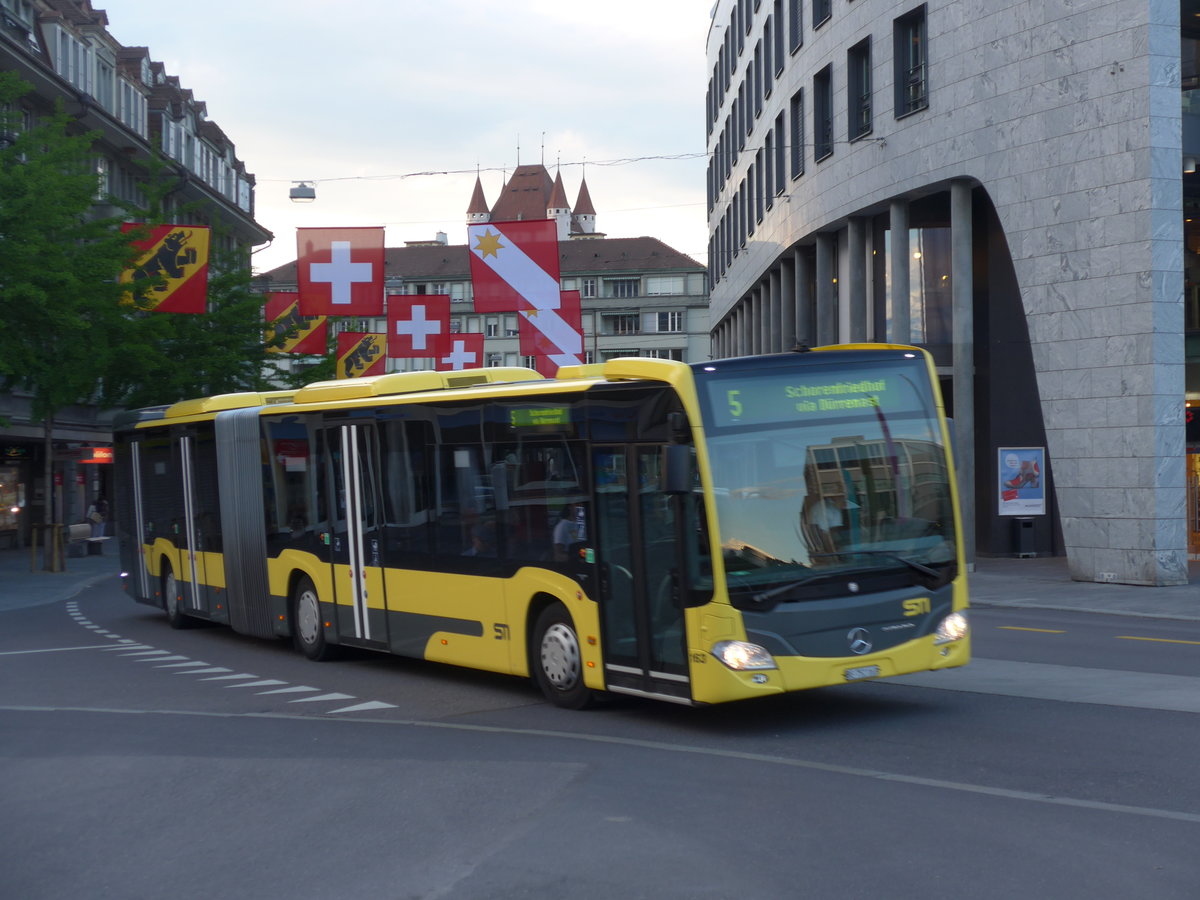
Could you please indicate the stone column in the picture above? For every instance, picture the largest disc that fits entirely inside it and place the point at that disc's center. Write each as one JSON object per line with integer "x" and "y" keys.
{"x": 826, "y": 306}
{"x": 856, "y": 277}
{"x": 962, "y": 303}
{"x": 900, "y": 330}
{"x": 806, "y": 332}
{"x": 787, "y": 304}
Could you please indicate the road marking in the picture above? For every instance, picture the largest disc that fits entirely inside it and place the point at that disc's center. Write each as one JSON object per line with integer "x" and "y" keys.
{"x": 181, "y": 665}
{"x": 371, "y": 704}
{"x": 158, "y": 659}
{"x": 1039, "y": 630}
{"x": 299, "y": 689}
{"x": 56, "y": 649}
{"x": 1127, "y": 637}
{"x": 202, "y": 671}
{"x": 228, "y": 677}
{"x": 334, "y": 696}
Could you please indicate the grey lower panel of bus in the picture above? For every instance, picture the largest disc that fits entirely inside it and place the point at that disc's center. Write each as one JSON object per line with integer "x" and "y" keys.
{"x": 243, "y": 528}
{"x": 829, "y": 628}
{"x": 409, "y": 633}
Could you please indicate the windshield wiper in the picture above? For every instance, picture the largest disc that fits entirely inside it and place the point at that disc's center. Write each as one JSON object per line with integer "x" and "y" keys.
{"x": 911, "y": 563}
{"x": 764, "y": 596}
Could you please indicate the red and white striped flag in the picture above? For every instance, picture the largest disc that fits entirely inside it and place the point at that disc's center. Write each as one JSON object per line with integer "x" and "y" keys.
{"x": 514, "y": 265}
{"x": 339, "y": 271}
{"x": 553, "y": 336}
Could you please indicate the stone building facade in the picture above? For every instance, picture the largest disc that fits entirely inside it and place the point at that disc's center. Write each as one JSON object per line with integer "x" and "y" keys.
{"x": 1005, "y": 183}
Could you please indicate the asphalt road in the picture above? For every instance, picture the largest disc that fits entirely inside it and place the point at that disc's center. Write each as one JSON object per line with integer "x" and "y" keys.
{"x": 137, "y": 761}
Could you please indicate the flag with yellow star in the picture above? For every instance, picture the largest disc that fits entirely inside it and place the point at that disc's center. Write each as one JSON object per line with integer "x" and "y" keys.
{"x": 514, "y": 265}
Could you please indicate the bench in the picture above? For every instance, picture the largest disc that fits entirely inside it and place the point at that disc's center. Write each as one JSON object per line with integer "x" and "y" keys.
{"x": 80, "y": 542}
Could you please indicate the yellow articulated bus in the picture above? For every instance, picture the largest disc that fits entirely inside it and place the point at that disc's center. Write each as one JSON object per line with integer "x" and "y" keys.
{"x": 694, "y": 533}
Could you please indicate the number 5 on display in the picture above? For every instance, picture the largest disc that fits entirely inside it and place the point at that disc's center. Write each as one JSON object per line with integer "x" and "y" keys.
{"x": 735, "y": 405}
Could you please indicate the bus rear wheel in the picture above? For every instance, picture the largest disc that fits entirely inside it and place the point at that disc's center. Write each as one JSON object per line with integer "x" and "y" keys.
{"x": 308, "y": 631}
{"x": 557, "y": 660}
{"x": 172, "y": 601}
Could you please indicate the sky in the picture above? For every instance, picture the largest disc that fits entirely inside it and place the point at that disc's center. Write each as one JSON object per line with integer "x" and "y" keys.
{"x": 360, "y": 99}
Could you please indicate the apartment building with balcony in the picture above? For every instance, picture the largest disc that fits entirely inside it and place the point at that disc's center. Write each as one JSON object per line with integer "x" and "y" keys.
{"x": 1011, "y": 185}
{"x": 140, "y": 112}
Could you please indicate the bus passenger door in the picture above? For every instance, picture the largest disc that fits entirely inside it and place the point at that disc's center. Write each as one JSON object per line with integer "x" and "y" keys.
{"x": 190, "y": 531}
{"x": 356, "y": 539}
{"x": 637, "y": 558}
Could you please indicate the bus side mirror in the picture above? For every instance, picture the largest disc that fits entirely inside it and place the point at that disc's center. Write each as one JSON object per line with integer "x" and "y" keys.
{"x": 677, "y": 469}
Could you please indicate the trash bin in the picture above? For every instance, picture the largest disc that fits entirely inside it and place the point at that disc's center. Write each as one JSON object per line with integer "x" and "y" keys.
{"x": 1023, "y": 537}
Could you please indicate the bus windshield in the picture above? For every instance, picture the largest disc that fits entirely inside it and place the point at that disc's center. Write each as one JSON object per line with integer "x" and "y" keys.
{"x": 822, "y": 473}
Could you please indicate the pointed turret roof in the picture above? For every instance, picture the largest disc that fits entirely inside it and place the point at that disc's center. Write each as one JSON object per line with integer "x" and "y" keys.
{"x": 558, "y": 195}
{"x": 583, "y": 206}
{"x": 478, "y": 204}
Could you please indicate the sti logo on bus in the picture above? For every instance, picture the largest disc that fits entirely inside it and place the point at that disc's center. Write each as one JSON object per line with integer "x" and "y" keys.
{"x": 916, "y": 606}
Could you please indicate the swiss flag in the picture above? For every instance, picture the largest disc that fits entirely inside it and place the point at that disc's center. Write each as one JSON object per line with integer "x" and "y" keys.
{"x": 460, "y": 351}
{"x": 339, "y": 271}
{"x": 553, "y": 336}
{"x": 514, "y": 265}
{"x": 416, "y": 324}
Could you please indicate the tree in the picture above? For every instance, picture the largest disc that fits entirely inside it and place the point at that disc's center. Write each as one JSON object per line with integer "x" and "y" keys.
{"x": 70, "y": 332}
{"x": 60, "y": 315}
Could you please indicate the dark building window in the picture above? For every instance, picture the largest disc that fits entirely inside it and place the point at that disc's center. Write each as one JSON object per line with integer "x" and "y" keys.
{"x": 912, "y": 86}
{"x": 777, "y": 37}
{"x": 780, "y": 141}
{"x": 795, "y": 25}
{"x": 797, "y": 134}
{"x": 822, "y": 10}
{"x": 823, "y": 113}
{"x": 858, "y": 89}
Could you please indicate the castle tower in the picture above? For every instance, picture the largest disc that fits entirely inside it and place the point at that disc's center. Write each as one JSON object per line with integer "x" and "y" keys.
{"x": 477, "y": 209}
{"x": 558, "y": 210}
{"x": 584, "y": 217}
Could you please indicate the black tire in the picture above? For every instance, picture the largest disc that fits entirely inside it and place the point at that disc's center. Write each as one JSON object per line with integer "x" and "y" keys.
{"x": 308, "y": 630}
{"x": 173, "y": 600}
{"x": 556, "y": 659}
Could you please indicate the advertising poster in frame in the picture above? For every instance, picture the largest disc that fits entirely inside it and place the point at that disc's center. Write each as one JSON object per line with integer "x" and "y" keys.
{"x": 1022, "y": 477}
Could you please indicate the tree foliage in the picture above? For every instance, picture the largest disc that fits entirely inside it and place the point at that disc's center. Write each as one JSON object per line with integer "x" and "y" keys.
{"x": 68, "y": 331}
{"x": 61, "y": 321}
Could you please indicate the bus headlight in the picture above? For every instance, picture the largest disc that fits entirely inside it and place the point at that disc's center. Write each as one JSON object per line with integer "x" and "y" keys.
{"x": 742, "y": 656}
{"x": 952, "y": 628}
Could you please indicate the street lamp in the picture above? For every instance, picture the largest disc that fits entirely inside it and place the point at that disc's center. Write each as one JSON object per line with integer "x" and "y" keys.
{"x": 302, "y": 192}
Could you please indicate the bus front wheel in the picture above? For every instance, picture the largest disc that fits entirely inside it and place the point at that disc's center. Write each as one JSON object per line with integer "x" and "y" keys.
{"x": 557, "y": 661}
{"x": 308, "y": 632}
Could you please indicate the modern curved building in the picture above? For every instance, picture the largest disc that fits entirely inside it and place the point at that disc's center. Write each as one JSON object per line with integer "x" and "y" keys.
{"x": 1005, "y": 183}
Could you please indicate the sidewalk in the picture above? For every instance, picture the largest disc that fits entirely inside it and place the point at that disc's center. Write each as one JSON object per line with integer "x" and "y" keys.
{"x": 1045, "y": 583}
{"x": 1033, "y": 583}
{"x": 20, "y": 587}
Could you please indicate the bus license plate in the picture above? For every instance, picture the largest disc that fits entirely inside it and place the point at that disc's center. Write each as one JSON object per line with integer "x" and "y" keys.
{"x": 862, "y": 672}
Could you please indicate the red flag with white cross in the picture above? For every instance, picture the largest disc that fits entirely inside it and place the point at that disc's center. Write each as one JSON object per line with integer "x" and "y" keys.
{"x": 416, "y": 324}
{"x": 514, "y": 265}
{"x": 460, "y": 351}
{"x": 339, "y": 271}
